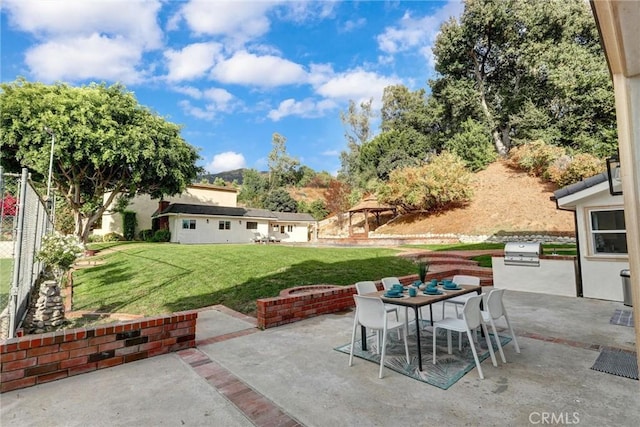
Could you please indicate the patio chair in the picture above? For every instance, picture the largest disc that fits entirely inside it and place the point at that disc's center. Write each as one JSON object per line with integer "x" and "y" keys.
{"x": 471, "y": 319}
{"x": 387, "y": 283}
{"x": 462, "y": 299}
{"x": 367, "y": 287}
{"x": 371, "y": 313}
{"x": 493, "y": 310}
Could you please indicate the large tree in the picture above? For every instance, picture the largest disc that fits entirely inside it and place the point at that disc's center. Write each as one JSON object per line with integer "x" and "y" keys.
{"x": 357, "y": 123}
{"x": 527, "y": 69}
{"x": 105, "y": 142}
{"x": 283, "y": 169}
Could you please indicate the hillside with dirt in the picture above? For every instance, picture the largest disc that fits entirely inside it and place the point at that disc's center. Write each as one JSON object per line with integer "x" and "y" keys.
{"x": 504, "y": 201}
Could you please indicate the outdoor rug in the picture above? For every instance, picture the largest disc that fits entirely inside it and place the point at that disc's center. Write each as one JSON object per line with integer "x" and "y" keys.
{"x": 449, "y": 367}
{"x": 622, "y": 317}
{"x": 615, "y": 362}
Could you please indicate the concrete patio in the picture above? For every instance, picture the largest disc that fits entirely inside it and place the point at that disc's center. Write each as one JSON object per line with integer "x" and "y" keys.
{"x": 290, "y": 375}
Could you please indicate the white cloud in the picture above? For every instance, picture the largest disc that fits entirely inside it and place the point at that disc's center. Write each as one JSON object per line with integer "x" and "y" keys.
{"x": 81, "y": 40}
{"x": 416, "y": 34}
{"x": 358, "y": 85}
{"x": 192, "y": 61}
{"x": 217, "y": 100}
{"x": 330, "y": 153}
{"x": 93, "y": 57}
{"x": 352, "y": 25}
{"x": 235, "y": 19}
{"x": 307, "y": 108}
{"x": 265, "y": 71}
{"x": 226, "y": 161}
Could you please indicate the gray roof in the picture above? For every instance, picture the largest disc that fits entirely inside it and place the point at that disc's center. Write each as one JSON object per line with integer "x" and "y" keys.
{"x": 580, "y": 185}
{"x": 290, "y": 216}
{"x": 182, "y": 208}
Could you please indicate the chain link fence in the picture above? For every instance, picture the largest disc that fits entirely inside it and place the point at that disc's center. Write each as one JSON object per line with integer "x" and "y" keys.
{"x": 24, "y": 219}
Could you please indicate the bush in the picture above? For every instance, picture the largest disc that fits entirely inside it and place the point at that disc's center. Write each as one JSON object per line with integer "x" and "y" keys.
{"x": 535, "y": 157}
{"x": 95, "y": 238}
{"x": 441, "y": 184}
{"x": 59, "y": 251}
{"x": 113, "y": 237}
{"x": 161, "y": 236}
{"x": 145, "y": 235}
{"x": 473, "y": 145}
{"x": 567, "y": 171}
{"x": 129, "y": 223}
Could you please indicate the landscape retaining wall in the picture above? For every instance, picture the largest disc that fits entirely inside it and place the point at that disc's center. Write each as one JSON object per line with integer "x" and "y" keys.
{"x": 292, "y": 307}
{"x": 40, "y": 358}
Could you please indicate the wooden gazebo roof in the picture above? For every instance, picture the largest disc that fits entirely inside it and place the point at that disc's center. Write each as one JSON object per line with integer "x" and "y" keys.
{"x": 369, "y": 204}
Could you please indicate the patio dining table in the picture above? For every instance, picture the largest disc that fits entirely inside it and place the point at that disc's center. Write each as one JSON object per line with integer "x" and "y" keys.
{"x": 419, "y": 301}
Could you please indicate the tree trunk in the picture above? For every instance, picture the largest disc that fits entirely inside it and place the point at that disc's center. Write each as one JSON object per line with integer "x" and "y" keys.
{"x": 497, "y": 139}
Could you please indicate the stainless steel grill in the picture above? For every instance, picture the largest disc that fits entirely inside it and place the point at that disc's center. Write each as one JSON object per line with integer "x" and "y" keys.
{"x": 522, "y": 253}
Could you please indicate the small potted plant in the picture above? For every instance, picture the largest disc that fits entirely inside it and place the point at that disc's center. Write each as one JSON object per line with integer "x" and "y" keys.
{"x": 423, "y": 268}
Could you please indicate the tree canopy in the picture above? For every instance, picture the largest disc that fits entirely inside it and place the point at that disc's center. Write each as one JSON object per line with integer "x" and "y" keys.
{"x": 528, "y": 70}
{"x": 105, "y": 142}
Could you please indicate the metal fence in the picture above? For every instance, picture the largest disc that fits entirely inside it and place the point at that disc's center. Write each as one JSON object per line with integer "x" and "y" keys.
{"x": 24, "y": 219}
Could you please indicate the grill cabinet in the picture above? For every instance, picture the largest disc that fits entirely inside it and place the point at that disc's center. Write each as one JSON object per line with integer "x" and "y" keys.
{"x": 523, "y": 253}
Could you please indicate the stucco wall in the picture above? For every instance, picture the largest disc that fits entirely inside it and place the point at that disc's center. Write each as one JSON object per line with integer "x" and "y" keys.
{"x": 144, "y": 206}
{"x": 600, "y": 273}
{"x": 207, "y": 230}
{"x": 554, "y": 276}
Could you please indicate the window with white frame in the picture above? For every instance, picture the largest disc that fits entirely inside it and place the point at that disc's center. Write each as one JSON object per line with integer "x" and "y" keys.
{"x": 188, "y": 224}
{"x": 224, "y": 225}
{"x": 289, "y": 228}
{"x": 608, "y": 232}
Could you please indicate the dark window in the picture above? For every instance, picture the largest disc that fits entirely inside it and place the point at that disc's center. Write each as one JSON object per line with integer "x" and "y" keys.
{"x": 224, "y": 225}
{"x": 608, "y": 232}
{"x": 189, "y": 224}
{"x": 252, "y": 225}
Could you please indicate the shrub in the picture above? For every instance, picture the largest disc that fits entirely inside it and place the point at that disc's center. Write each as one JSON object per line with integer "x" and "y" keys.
{"x": 59, "y": 252}
{"x": 535, "y": 157}
{"x": 579, "y": 167}
{"x": 145, "y": 235}
{"x": 473, "y": 145}
{"x": 129, "y": 223}
{"x": 161, "y": 236}
{"x": 112, "y": 237}
{"x": 441, "y": 184}
{"x": 95, "y": 238}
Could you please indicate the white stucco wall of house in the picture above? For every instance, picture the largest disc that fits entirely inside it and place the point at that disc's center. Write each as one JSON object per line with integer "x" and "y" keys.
{"x": 144, "y": 206}
{"x": 291, "y": 232}
{"x": 600, "y": 272}
{"x": 553, "y": 277}
{"x": 208, "y": 230}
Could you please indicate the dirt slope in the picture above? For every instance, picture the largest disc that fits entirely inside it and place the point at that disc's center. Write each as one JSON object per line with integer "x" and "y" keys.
{"x": 504, "y": 201}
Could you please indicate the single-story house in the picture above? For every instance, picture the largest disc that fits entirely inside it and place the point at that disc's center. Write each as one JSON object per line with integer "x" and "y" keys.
{"x": 600, "y": 234}
{"x": 144, "y": 206}
{"x": 191, "y": 223}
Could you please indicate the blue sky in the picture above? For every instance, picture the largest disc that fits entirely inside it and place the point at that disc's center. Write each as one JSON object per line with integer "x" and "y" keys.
{"x": 232, "y": 72}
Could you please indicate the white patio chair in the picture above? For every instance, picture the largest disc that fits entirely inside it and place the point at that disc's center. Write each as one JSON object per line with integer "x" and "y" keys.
{"x": 371, "y": 313}
{"x": 471, "y": 319}
{"x": 462, "y": 299}
{"x": 367, "y": 287}
{"x": 387, "y": 283}
{"x": 493, "y": 310}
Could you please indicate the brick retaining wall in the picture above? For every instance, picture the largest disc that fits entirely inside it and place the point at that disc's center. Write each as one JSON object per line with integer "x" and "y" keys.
{"x": 40, "y": 358}
{"x": 291, "y": 308}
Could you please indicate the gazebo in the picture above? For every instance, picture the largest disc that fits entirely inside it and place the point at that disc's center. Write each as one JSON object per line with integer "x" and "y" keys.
{"x": 368, "y": 205}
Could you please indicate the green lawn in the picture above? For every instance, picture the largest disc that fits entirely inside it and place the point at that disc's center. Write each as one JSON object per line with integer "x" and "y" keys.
{"x": 152, "y": 278}
{"x": 5, "y": 280}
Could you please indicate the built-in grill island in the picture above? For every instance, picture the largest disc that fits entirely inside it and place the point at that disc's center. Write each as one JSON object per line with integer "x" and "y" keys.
{"x": 522, "y": 253}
